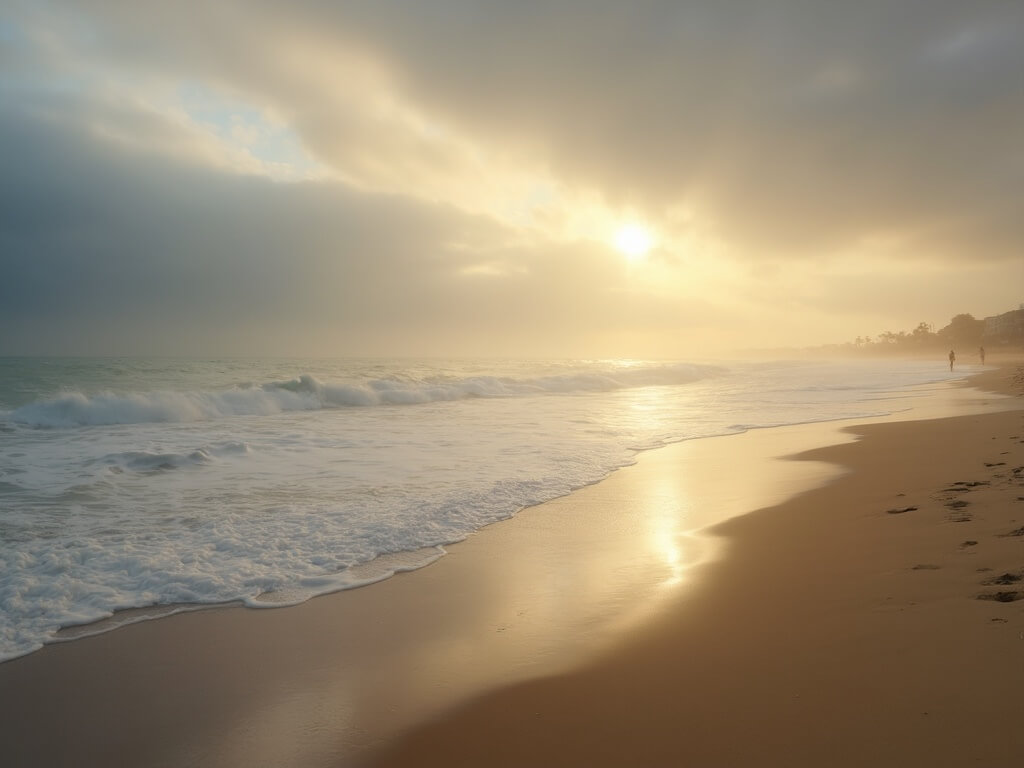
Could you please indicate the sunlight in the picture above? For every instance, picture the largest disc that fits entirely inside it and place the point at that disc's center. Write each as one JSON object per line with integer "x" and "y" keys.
{"x": 633, "y": 241}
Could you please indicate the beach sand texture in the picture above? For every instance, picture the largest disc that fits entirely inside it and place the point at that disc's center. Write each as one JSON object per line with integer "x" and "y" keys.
{"x": 871, "y": 620}
{"x": 875, "y": 621}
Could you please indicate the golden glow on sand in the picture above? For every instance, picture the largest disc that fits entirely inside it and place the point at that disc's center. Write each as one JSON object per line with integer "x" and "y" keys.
{"x": 634, "y": 241}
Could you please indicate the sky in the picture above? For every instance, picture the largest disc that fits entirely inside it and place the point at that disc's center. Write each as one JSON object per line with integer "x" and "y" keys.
{"x": 575, "y": 178}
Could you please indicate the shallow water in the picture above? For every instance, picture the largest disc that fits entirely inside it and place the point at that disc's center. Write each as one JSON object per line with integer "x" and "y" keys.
{"x": 130, "y": 483}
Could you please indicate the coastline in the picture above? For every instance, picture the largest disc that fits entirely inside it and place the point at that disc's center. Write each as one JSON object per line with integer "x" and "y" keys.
{"x": 329, "y": 681}
{"x": 859, "y": 623}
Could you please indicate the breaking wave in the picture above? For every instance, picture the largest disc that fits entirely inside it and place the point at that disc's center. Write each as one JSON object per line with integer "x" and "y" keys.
{"x": 151, "y": 461}
{"x": 307, "y": 393}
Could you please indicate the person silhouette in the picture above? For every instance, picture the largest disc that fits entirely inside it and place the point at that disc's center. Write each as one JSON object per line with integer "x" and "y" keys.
{"x": 981, "y": 354}
{"x": 952, "y": 359}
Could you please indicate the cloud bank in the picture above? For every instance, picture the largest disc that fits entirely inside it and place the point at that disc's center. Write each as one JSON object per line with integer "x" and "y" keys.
{"x": 445, "y": 177}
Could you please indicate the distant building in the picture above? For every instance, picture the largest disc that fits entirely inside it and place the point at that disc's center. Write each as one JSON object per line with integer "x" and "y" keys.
{"x": 1007, "y": 328}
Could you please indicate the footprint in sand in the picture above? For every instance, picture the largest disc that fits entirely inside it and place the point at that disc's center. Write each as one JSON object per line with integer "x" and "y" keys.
{"x": 1003, "y": 579}
{"x": 900, "y": 511}
{"x": 1010, "y": 596}
{"x": 961, "y": 486}
{"x": 957, "y": 515}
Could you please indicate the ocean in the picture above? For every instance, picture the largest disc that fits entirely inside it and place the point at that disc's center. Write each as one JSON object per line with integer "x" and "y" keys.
{"x": 129, "y": 483}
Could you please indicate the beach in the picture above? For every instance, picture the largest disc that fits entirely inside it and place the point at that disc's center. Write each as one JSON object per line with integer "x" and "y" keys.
{"x": 833, "y": 618}
{"x": 511, "y": 384}
{"x": 873, "y": 621}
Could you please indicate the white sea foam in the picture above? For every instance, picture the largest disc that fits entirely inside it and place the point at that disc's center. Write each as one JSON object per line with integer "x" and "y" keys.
{"x": 306, "y": 393}
{"x": 144, "y": 461}
{"x": 167, "y": 483}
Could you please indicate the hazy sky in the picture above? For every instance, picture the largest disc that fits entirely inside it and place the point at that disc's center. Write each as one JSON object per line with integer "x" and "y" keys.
{"x": 447, "y": 177}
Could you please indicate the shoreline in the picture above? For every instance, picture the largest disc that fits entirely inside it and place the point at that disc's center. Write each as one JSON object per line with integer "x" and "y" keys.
{"x": 396, "y": 563}
{"x": 875, "y": 620}
{"x": 232, "y": 686}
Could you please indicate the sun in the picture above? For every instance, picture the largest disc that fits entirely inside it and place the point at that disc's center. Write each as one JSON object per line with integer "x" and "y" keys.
{"x": 633, "y": 241}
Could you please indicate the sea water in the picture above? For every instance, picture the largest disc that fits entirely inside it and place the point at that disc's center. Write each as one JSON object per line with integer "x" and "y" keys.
{"x": 127, "y": 483}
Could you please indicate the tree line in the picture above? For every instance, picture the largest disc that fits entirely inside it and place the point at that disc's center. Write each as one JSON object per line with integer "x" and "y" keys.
{"x": 963, "y": 332}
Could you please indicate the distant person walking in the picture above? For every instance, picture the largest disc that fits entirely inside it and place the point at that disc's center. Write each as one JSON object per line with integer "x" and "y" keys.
{"x": 981, "y": 354}
{"x": 952, "y": 359}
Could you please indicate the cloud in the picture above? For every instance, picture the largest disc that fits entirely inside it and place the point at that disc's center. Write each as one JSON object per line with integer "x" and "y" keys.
{"x": 106, "y": 251}
{"x": 791, "y": 127}
{"x": 455, "y": 168}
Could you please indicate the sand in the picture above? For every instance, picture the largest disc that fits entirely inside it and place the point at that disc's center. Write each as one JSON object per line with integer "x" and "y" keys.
{"x": 837, "y": 625}
{"x": 875, "y": 621}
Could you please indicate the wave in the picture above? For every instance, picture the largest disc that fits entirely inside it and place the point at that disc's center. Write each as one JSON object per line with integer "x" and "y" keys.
{"x": 150, "y": 461}
{"x": 307, "y": 393}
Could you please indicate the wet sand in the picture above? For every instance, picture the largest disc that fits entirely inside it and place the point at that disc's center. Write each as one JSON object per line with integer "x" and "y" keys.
{"x": 612, "y": 627}
{"x": 878, "y": 620}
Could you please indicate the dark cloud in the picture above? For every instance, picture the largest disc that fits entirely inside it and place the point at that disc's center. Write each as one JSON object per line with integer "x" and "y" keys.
{"x": 794, "y": 126}
{"x": 89, "y": 234}
{"x": 785, "y": 129}
{"x": 104, "y": 250}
